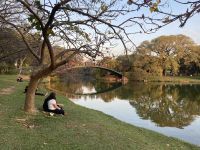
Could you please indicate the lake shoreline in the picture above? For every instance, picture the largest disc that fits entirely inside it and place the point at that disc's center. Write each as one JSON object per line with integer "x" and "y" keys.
{"x": 147, "y": 79}
{"x": 168, "y": 79}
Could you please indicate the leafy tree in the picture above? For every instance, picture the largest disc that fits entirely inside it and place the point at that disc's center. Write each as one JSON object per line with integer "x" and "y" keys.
{"x": 13, "y": 51}
{"x": 167, "y": 53}
{"x": 108, "y": 62}
{"x": 123, "y": 63}
{"x": 143, "y": 60}
{"x": 85, "y": 27}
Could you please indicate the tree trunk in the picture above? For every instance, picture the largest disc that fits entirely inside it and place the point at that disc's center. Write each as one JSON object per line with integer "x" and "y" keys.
{"x": 29, "y": 105}
{"x": 164, "y": 72}
{"x": 21, "y": 61}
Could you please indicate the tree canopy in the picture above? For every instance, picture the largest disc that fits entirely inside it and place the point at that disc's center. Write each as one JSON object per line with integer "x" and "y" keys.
{"x": 175, "y": 54}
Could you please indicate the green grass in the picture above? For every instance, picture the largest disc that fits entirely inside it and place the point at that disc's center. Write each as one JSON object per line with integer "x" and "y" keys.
{"x": 80, "y": 129}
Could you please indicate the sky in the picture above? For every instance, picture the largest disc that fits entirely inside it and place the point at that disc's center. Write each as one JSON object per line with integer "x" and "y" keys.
{"x": 191, "y": 29}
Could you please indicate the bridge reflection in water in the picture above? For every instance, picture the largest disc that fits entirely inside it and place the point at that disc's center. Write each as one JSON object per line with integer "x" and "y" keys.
{"x": 61, "y": 88}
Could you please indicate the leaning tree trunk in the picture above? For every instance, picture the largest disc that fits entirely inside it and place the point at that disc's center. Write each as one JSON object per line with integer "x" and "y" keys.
{"x": 29, "y": 105}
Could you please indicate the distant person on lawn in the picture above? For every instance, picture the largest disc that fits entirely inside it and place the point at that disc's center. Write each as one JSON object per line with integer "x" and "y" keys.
{"x": 36, "y": 93}
{"x": 19, "y": 79}
{"x": 50, "y": 104}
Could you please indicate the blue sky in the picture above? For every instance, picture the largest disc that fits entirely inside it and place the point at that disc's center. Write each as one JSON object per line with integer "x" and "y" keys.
{"x": 191, "y": 29}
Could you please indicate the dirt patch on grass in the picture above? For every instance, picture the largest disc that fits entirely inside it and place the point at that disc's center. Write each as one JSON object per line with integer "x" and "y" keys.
{"x": 25, "y": 77}
{"x": 7, "y": 91}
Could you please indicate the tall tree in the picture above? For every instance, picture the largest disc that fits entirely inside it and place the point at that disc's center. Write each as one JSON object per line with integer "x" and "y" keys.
{"x": 166, "y": 52}
{"x": 87, "y": 27}
{"x": 12, "y": 48}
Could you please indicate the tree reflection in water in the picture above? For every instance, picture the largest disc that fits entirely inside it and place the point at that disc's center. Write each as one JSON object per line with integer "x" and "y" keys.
{"x": 167, "y": 105}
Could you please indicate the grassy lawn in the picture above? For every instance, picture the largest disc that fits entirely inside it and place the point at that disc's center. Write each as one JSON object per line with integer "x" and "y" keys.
{"x": 81, "y": 128}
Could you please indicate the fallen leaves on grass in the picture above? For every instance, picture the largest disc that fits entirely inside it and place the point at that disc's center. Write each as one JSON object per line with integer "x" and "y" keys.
{"x": 24, "y": 122}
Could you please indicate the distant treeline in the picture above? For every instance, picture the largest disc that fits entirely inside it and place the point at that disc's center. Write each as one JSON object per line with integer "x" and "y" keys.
{"x": 174, "y": 55}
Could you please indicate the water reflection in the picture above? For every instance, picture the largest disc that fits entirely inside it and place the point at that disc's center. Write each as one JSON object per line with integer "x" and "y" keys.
{"x": 172, "y": 106}
{"x": 167, "y": 105}
{"x": 83, "y": 87}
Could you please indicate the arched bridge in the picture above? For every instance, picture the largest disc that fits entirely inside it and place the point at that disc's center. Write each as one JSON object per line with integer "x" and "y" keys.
{"x": 116, "y": 73}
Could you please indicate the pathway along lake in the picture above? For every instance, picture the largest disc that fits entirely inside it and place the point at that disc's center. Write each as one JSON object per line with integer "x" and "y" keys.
{"x": 170, "y": 109}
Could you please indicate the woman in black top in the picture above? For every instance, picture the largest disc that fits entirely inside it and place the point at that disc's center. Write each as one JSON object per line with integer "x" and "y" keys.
{"x": 50, "y": 104}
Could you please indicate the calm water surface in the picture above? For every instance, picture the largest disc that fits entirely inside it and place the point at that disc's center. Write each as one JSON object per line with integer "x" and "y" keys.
{"x": 170, "y": 109}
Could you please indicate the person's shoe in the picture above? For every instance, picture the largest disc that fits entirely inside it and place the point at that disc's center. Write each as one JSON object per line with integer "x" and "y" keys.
{"x": 51, "y": 114}
{"x": 46, "y": 94}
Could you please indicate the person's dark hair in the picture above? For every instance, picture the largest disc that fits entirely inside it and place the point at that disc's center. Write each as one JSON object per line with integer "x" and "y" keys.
{"x": 52, "y": 95}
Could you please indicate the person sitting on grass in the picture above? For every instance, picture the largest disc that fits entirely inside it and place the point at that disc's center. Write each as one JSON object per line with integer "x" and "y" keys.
{"x": 19, "y": 79}
{"x": 50, "y": 105}
{"x": 36, "y": 93}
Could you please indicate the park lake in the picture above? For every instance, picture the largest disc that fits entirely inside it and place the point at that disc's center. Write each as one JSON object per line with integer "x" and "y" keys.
{"x": 168, "y": 108}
